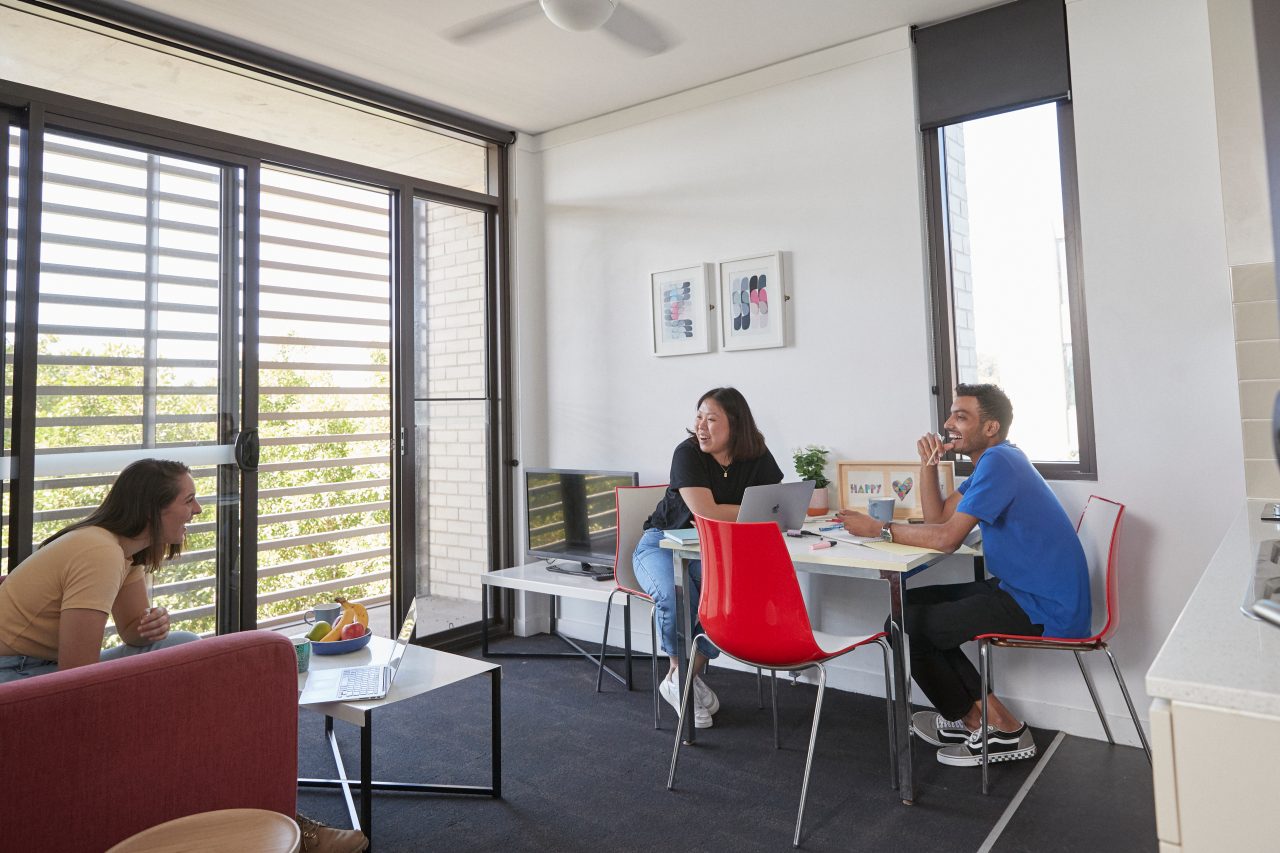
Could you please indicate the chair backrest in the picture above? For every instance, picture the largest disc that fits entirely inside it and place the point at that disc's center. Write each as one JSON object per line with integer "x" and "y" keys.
{"x": 1099, "y": 532}
{"x": 751, "y": 603}
{"x": 635, "y": 504}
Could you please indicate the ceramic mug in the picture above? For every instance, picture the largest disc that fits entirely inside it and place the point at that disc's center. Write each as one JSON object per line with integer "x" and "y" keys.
{"x": 330, "y": 613}
{"x": 302, "y": 648}
{"x": 881, "y": 509}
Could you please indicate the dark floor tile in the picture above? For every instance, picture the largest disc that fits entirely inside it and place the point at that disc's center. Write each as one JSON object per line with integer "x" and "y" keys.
{"x": 1090, "y": 796}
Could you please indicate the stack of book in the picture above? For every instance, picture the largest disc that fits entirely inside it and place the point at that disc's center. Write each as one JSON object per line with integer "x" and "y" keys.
{"x": 684, "y": 536}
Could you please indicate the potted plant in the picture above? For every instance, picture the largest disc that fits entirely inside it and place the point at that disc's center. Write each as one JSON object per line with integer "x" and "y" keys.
{"x": 810, "y": 464}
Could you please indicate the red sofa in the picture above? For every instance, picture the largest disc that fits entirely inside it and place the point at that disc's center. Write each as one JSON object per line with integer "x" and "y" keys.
{"x": 92, "y": 756}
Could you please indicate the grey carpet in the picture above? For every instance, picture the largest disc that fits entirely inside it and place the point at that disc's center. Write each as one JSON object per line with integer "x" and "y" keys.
{"x": 587, "y": 772}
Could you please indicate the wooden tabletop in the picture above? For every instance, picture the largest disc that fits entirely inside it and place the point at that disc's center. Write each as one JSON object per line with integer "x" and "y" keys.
{"x": 225, "y": 831}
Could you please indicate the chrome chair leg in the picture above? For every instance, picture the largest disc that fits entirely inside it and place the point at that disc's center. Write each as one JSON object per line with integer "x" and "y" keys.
{"x": 888, "y": 712}
{"x": 813, "y": 740}
{"x": 984, "y": 656}
{"x": 1093, "y": 694}
{"x": 759, "y": 689}
{"x": 773, "y": 697}
{"x": 684, "y": 709}
{"x": 653, "y": 661}
{"x": 1142, "y": 736}
{"x": 608, "y": 610}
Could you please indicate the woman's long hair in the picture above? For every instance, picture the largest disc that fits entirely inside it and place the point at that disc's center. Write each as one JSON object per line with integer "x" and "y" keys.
{"x": 133, "y": 506}
{"x": 745, "y": 439}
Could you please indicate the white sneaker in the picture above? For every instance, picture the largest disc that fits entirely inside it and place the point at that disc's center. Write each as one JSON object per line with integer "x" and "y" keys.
{"x": 669, "y": 691}
{"x": 704, "y": 696}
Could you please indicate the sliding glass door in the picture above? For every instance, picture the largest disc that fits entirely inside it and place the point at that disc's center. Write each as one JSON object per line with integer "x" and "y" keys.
{"x": 129, "y": 355}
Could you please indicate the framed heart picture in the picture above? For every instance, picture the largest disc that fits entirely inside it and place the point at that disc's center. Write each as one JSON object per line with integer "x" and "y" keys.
{"x": 898, "y": 480}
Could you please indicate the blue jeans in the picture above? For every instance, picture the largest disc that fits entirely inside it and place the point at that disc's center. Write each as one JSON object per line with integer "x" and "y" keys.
{"x": 17, "y": 667}
{"x": 656, "y": 572}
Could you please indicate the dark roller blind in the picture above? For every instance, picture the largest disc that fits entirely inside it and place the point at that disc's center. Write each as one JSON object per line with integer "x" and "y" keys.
{"x": 999, "y": 59}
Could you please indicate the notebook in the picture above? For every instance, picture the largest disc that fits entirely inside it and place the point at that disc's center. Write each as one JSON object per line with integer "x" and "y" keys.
{"x": 783, "y": 503}
{"x": 683, "y": 535}
{"x": 360, "y": 683}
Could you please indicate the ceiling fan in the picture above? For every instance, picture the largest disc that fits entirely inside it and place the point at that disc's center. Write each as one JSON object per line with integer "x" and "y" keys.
{"x": 634, "y": 29}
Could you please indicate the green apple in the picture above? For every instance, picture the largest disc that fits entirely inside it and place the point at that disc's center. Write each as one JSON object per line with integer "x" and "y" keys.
{"x": 318, "y": 632}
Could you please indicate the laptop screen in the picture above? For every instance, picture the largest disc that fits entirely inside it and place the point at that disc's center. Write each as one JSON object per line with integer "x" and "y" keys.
{"x": 405, "y": 636}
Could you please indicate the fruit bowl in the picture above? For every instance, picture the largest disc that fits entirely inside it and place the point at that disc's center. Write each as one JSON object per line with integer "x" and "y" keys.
{"x": 341, "y": 647}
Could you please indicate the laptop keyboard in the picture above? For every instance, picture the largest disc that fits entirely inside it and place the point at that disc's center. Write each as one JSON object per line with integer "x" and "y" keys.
{"x": 360, "y": 681}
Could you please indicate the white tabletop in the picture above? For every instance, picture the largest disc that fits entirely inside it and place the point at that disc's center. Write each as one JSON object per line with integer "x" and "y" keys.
{"x": 843, "y": 558}
{"x": 1215, "y": 655}
{"x": 536, "y": 577}
{"x": 421, "y": 671}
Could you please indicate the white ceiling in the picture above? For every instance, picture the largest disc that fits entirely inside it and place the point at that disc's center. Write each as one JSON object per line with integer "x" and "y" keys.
{"x": 532, "y": 76}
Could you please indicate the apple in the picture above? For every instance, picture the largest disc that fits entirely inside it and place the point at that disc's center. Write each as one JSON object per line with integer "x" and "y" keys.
{"x": 354, "y": 631}
{"x": 321, "y": 628}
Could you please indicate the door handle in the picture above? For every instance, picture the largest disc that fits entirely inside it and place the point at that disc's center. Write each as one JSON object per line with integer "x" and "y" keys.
{"x": 247, "y": 450}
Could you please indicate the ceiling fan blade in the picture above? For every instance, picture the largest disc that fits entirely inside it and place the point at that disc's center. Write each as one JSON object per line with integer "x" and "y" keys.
{"x": 639, "y": 32}
{"x": 483, "y": 26}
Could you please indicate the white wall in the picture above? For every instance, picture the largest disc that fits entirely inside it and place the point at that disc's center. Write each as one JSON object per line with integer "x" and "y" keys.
{"x": 824, "y": 165}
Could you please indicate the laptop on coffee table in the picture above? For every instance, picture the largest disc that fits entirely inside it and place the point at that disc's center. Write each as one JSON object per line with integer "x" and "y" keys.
{"x": 360, "y": 683}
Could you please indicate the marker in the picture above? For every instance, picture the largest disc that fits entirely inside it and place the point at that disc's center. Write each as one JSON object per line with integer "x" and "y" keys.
{"x": 825, "y": 543}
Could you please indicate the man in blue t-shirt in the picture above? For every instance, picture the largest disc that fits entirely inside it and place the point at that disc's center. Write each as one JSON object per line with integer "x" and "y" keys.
{"x": 1040, "y": 583}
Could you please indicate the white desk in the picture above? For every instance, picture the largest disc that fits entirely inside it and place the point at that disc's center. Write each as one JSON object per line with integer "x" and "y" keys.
{"x": 844, "y": 560}
{"x": 536, "y": 577}
{"x": 421, "y": 671}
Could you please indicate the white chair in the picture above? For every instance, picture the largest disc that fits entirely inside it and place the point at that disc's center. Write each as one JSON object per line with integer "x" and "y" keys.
{"x": 634, "y": 505}
{"x": 1099, "y": 532}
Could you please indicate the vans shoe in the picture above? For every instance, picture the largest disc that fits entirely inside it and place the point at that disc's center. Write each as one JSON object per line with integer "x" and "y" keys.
{"x": 1001, "y": 746}
{"x": 931, "y": 728}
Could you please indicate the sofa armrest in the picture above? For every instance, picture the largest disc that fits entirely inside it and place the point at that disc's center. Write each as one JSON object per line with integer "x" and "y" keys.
{"x": 96, "y": 754}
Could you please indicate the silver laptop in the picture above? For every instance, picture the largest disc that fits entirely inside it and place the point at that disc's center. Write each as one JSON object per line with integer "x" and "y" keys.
{"x": 360, "y": 683}
{"x": 784, "y": 503}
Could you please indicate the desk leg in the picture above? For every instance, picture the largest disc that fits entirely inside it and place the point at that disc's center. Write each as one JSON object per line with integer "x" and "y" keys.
{"x": 684, "y": 639}
{"x": 495, "y": 734}
{"x": 366, "y": 777}
{"x": 901, "y": 683}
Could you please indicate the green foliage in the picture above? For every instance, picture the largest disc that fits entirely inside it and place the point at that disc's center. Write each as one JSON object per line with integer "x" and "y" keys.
{"x": 811, "y": 463}
{"x": 107, "y": 420}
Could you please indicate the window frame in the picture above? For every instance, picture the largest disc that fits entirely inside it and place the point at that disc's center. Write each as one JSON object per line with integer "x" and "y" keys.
{"x": 942, "y": 303}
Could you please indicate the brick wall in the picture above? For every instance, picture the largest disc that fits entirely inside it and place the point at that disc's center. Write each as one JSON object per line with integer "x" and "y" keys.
{"x": 453, "y": 523}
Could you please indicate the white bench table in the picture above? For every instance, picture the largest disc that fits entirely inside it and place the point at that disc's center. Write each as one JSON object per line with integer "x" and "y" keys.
{"x": 536, "y": 577}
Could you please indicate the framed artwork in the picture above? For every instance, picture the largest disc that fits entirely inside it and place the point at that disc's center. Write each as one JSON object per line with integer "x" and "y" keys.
{"x": 752, "y": 302}
{"x": 897, "y": 480}
{"x": 678, "y": 299}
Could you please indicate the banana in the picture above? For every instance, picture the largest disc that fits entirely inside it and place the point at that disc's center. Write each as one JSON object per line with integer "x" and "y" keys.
{"x": 359, "y": 612}
{"x": 336, "y": 633}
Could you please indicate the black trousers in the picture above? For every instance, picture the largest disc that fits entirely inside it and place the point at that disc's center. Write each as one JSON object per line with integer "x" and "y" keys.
{"x": 940, "y": 619}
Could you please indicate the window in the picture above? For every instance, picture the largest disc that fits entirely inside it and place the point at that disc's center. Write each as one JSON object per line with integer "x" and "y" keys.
{"x": 1008, "y": 304}
{"x": 1007, "y": 296}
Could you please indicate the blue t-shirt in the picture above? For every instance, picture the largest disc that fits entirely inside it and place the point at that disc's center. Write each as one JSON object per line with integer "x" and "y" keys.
{"x": 1028, "y": 541}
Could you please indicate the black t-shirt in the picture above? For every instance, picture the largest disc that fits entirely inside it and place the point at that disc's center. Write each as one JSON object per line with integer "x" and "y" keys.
{"x": 691, "y": 467}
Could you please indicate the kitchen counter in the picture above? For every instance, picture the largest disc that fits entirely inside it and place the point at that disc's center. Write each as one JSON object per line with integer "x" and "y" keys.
{"x": 1215, "y": 655}
{"x": 1215, "y": 709}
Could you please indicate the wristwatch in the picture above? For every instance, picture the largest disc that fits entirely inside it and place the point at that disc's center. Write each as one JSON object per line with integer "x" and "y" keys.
{"x": 886, "y": 532}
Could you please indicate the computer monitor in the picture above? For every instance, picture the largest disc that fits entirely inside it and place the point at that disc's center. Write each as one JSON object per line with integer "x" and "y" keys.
{"x": 570, "y": 514}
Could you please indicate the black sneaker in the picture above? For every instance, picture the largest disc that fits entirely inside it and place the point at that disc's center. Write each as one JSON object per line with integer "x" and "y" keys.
{"x": 1001, "y": 746}
{"x": 930, "y": 727}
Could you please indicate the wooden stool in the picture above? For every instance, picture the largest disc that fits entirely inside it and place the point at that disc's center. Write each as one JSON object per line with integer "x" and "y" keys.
{"x": 225, "y": 831}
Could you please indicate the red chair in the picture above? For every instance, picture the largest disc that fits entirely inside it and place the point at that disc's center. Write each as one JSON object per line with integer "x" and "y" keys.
{"x": 752, "y": 610}
{"x": 1099, "y": 532}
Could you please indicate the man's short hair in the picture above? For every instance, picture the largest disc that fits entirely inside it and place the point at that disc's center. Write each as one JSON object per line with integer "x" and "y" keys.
{"x": 993, "y": 405}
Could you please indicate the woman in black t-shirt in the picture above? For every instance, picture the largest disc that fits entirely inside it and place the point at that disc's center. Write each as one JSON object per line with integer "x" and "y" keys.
{"x": 710, "y": 470}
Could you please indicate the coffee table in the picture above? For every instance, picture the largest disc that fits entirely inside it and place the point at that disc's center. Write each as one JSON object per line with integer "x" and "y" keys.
{"x": 421, "y": 671}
